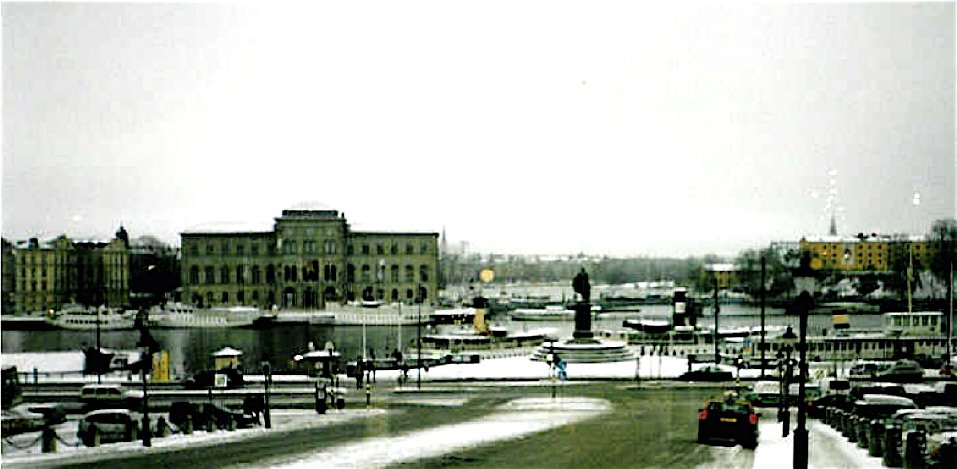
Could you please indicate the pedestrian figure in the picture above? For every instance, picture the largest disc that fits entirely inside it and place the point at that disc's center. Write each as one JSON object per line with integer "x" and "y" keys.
{"x": 359, "y": 372}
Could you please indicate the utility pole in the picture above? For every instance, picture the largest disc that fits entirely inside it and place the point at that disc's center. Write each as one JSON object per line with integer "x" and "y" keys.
{"x": 717, "y": 309}
{"x": 763, "y": 345}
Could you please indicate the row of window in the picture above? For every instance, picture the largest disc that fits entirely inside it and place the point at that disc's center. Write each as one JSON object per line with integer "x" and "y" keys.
{"x": 329, "y": 273}
{"x": 309, "y": 247}
{"x": 289, "y": 299}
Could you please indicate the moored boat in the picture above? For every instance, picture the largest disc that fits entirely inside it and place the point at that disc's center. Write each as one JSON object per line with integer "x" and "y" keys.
{"x": 85, "y": 318}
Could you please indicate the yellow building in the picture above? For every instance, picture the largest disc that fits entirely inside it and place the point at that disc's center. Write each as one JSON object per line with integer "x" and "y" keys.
{"x": 51, "y": 273}
{"x": 309, "y": 256}
{"x": 868, "y": 253}
{"x": 725, "y": 274}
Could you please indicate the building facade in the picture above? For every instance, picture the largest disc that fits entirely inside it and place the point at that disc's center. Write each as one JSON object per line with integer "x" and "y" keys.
{"x": 52, "y": 273}
{"x": 873, "y": 253}
{"x": 308, "y": 258}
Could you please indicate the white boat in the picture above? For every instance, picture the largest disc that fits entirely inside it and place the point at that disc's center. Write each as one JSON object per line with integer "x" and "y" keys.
{"x": 86, "y": 318}
{"x": 178, "y": 315}
{"x": 550, "y": 313}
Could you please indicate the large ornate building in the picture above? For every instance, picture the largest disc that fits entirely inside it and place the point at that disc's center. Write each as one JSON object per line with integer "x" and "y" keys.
{"x": 308, "y": 258}
{"x": 48, "y": 274}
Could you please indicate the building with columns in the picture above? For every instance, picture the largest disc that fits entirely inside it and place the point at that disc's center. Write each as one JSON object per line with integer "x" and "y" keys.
{"x": 307, "y": 258}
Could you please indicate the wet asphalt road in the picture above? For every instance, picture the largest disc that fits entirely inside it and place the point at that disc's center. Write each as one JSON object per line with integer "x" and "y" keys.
{"x": 648, "y": 427}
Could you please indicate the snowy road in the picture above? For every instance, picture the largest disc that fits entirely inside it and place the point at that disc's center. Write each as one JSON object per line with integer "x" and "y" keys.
{"x": 512, "y": 420}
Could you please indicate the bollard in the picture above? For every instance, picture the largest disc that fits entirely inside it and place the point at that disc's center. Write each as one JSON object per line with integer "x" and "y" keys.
{"x": 863, "y": 426}
{"x": 92, "y": 436}
{"x": 162, "y": 429}
{"x": 188, "y": 425}
{"x": 892, "y": 438}
{"x": 914, "y": 450}
{"x": 320, "y": 398}
{"x": 875, "y": 439}
{"x": 48, "y": 440}
{"x": 852, "y": 429}
{"x": 131, "y": 432}
{"x": 368, "y": 395}
{"x": 947, "y": 455}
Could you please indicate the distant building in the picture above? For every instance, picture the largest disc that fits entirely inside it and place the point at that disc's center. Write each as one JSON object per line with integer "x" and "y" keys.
{"x": 725, "y": 274}
{"x": 51, "y": 273}
{"x": 309, "y": 256}
{"x": 154, "y": 271}
{"x": 873, "y": 252}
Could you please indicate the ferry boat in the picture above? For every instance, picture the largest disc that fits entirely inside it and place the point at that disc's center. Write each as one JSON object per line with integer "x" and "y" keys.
{"x": 83, "y": 318}
{"x": 178, "y": 315}
{"x": 550, "y": 313}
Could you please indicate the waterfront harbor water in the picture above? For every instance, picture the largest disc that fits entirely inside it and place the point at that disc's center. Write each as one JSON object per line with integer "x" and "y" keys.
{"x": 191, "y": 349}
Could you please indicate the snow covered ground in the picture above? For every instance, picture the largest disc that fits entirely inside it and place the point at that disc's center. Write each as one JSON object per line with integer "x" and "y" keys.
{"x": 283, "y": 421}
{"x": 511, "y": 420}
{"x": 827, "y": 449}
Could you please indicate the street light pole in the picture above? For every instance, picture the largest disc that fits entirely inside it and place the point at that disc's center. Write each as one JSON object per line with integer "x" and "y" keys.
{"x": 717, "y": 309}
{"x": 804, "y": 281}
{"x": 763, "y": 345}
{"x": 418, "y": 355}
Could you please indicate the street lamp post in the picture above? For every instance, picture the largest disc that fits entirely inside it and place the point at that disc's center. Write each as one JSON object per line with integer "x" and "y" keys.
{"x": 788, "y": 339}
{"x": 804, "y": 281}
{"x": 418, "y": 341}
{"x": 717, "y": 336}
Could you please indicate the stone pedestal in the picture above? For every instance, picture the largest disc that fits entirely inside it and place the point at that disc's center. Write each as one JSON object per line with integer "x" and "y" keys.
{"x": 583, "y": 322}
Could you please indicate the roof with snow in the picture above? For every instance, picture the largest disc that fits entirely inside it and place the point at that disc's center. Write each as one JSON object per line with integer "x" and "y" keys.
{"x": 310, "y": 205}
{"x": 230, "y": 227}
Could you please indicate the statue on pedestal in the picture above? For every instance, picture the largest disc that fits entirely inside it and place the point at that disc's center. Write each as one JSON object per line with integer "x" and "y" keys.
{"x": 581, "y": 285}
{"x": 582, "y": 308}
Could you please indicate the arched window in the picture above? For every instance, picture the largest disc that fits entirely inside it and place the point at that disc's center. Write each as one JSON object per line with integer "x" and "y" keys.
{"x": 225, "y": 297}
{"x": 209, "y": 276}
{"x": 194, "y": 275}
{"x": 350, "y": 273}
{"x": 256, "y": 275}
{"x": 209, "y": 299}
{"x": 224, "y": 274}
{"x": 240, "y": 274}
{"x": 270, "y": 274}
{"x": 395, "y": 294}
{"x": 365, "y": 272}
{"x": 423, "y": 294}
{"x": 423, "y": 273}
{"x": 394, "y": 249}
{"x": 241, "y": 297}
{"x": 409, "y": 249}
{"x": 395, "y": 273}
{"x": 255, "y": 296}
{"x": 332, "y": 269}
{"x": 408, "y": 294}
{"x": 409, "y": 273}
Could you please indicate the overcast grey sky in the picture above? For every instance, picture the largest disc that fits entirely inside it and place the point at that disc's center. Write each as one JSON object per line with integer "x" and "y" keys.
{"x": 522, "y": 127}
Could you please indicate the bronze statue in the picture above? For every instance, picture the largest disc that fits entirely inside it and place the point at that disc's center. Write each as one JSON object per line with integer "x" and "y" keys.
{"x": 581, "y": 285}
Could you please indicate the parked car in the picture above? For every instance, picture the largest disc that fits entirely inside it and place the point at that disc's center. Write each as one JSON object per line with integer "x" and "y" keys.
{"x": 31, "y": 417}
{"x": 893, "y": 389}
{"x": 708, "y": 373}
{"x": 902, "y": 371}
{"x": 764, "y": 394}
{"x": 110, "y": 396}
{"x": 729, "y": 418}
{"x": 866, "y": 369}
{"x": 112, "y": 425}
{"x": 817, "y": 407}
{"x": 211, "y": 415}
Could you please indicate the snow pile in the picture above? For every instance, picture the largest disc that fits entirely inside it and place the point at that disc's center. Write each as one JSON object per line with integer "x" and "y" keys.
{"x": 513, "y": 420}
{"x": 283, "y": 421}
